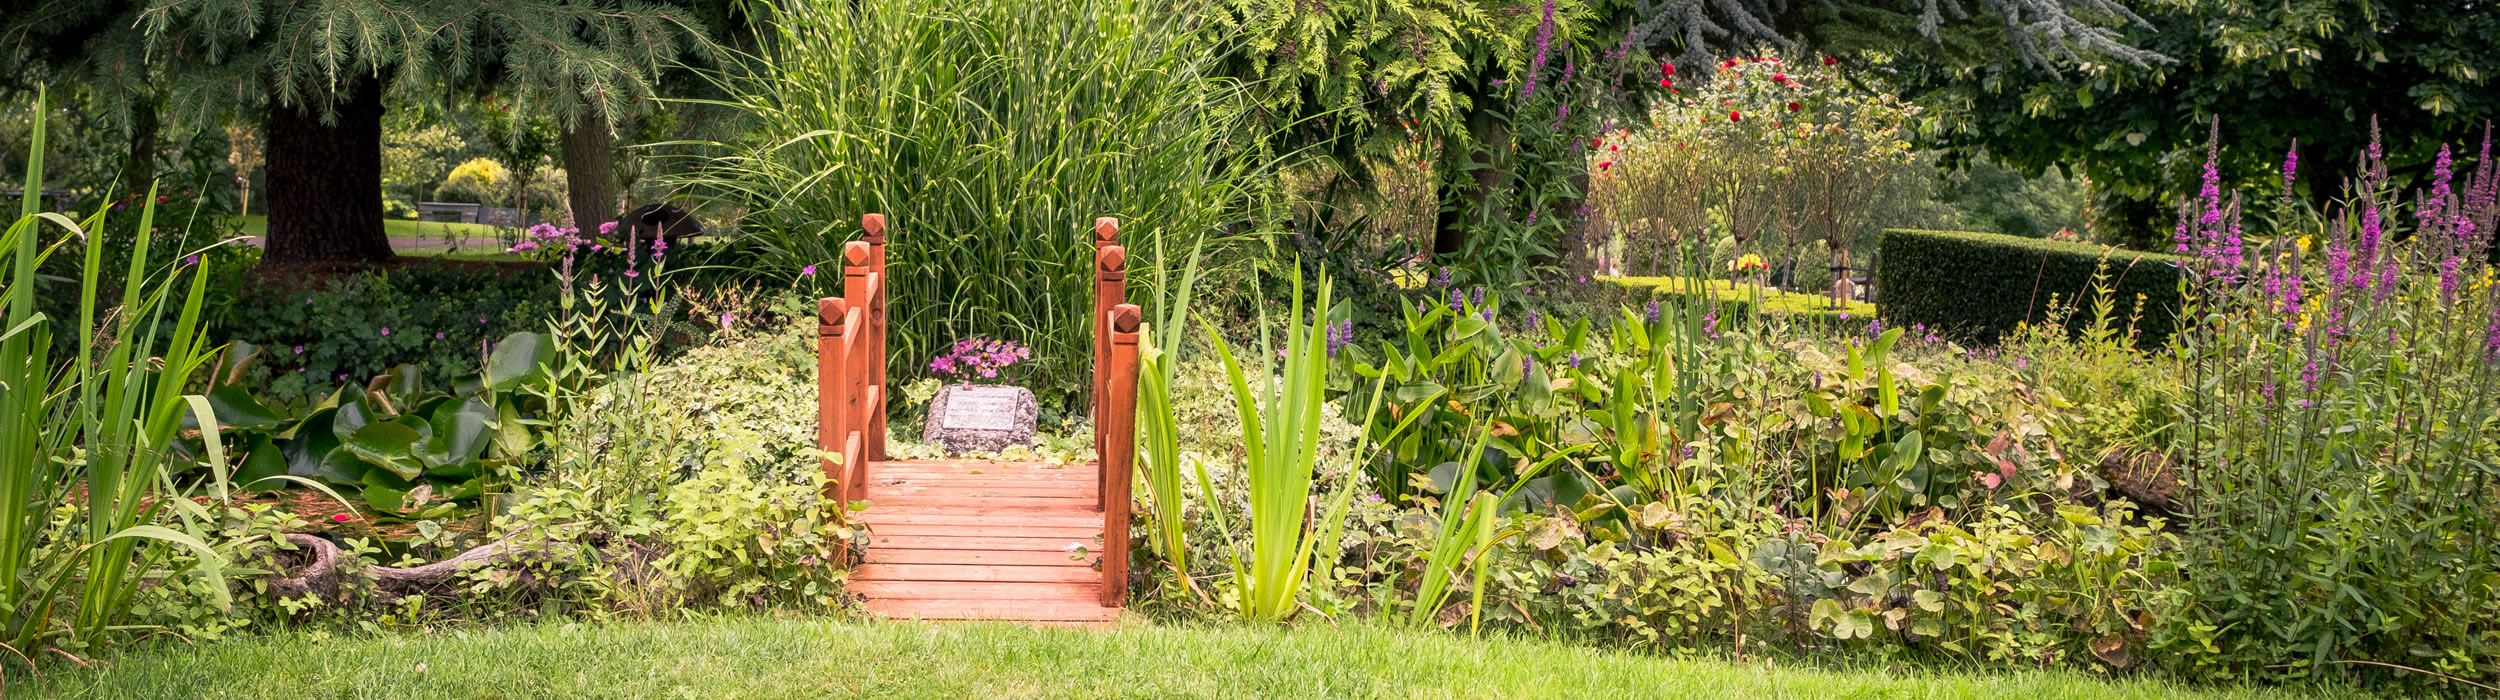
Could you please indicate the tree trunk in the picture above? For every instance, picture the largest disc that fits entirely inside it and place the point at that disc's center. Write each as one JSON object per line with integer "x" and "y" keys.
{"x": 325, "y": 181}
{"x": 1492, "y": 140}
{"x": 139, "y": 171}
{"x": 589, "y": 173}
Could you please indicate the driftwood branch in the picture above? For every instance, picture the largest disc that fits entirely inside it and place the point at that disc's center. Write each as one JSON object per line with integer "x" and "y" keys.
{"x": 325, "y": 571}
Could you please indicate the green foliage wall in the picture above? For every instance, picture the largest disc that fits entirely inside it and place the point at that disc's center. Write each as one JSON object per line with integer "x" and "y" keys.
{"x": 1984, "y": 285}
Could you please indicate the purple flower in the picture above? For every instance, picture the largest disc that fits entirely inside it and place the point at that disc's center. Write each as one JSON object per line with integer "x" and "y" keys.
{"x": 191, "y": 260}
{"x": 606, "y": 228}
{"x": 2291, "y": 167}
{"x": 2309, "y": 376}
{"x": 809, "y": 271}
{"x": 1575, "y": 360}
{"x": 726, "y": 319}
{"x": 1533, "y": 318}
{"x": 438, "y": 335}
{"x": 299, "y": 349}
{"x": 1653, "y": 311}
{"x": 1442, "y": 277}
{"x": 386, "y": 330}
{"x": 1544, "y": 42}
{"x": 1458, "y": 301}
{"x": 1479, "y": 297}
{"x": 1874, "y": 328}
{"x": 2491, "y": 336}
{"x": 632, "y": 273}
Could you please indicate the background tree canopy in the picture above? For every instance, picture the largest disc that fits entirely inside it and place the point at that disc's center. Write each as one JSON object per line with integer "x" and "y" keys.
{"x": 319, "y": 72}
{"x": 2273, "y": 71}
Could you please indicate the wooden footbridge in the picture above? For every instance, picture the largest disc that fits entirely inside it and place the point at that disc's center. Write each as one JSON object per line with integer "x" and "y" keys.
{"x": 978, "y": 539}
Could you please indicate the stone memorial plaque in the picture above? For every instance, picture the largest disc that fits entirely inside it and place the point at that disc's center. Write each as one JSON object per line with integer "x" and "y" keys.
{"x": 969, "y": 418}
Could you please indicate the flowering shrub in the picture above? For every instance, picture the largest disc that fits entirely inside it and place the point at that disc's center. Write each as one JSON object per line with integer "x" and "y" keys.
{"x": 1768, "y": 154}
{"x": 978, "y": 358}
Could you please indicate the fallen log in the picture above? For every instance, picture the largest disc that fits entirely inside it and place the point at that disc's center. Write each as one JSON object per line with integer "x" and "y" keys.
{"x": 323, "y": 575}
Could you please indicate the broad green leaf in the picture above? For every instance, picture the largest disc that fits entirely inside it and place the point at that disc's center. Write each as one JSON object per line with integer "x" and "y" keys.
{"x": 517, "y": 359}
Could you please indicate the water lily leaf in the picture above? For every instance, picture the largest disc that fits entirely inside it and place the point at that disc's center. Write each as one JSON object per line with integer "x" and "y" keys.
{"x": 389, "y": 445}
{"x": 236, "y": 407}
{"x": 517, "y": 359}
{"x": 461, "y": 432}
{"x": 385, "y": 492}
{"x": 262, "y": 460}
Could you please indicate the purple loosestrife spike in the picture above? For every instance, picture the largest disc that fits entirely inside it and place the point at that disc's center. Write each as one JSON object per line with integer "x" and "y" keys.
{"x": 2291, "y": 167}
{"x": 1544, "y": 42}
{"x": 2491, "y": 336}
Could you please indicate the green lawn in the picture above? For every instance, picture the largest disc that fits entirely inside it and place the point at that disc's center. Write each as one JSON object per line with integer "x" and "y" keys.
{"x": 419, "y": 237}
{"x": 815, "y": 657}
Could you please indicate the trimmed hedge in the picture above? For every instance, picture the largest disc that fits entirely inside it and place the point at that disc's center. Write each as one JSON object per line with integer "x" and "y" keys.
{"x": 1732, "y": 299}
{"x": 1981, "y": 286}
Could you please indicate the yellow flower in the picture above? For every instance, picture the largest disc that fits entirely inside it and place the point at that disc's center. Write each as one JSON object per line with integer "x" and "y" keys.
{"x": 2304, "y": 244}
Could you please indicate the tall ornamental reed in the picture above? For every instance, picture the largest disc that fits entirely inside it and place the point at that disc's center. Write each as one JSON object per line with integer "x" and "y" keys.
{"x": 85, "y": 443}
{"x": 1280, "y": 433}
{"x": 990, "y": 134}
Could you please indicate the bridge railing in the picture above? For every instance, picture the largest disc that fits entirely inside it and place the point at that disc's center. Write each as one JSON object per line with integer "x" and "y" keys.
{"x": 1115, "y": 403}
{"x": 851, "y": 366}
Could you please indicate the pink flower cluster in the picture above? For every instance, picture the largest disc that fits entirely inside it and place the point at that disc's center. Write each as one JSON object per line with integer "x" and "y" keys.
{"x": 978, "y": 357}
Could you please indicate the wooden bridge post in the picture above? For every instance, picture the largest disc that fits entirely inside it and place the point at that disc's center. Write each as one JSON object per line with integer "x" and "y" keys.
{"x": 860, "y": 401}
{"x": 832, "y": 394}
{"x": 1119, "y": 436}
{"x": 1110, "y": 289}
{"x": 874, "y": 225}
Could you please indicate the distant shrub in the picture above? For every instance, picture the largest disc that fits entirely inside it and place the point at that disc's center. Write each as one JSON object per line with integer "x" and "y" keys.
{"x": 478, "y": 181}
{"x": 1983, "y": 286}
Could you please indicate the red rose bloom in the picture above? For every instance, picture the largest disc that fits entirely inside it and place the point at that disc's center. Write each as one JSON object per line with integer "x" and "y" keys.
{"x": 1666, "y": 82}
{"x": 1602, "y": 165}
{"x": 1735, "y": 116}
{"x": 1829, "y": 61}
{"x": 1792, "y": 106}
{"x": 1781, "y": 78}
{"x": 1666, "y": 69}
{"x": 1595, "y": 141}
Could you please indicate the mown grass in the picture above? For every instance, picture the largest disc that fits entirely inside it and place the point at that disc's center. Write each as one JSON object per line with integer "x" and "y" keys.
{"x": 478, "y": 241}
{"x": 809, "y": 657}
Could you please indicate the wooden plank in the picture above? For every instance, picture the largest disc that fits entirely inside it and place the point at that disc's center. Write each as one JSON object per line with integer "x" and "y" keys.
{"x": 975, "y": 590}
{"x": 1073, "y": 573}
{"x": 1023, "y": 610}
{"x": 893, "y": 555}
{"x": 1042, "y": 544}
{"x": 1030, "y": 490}
{"x": 874, "y": 516}
{"x": 886, "y": 472}
{"x": 984, "y": 505}
{"x": 1003, "y": 482}
{"x": 942, "y": 530}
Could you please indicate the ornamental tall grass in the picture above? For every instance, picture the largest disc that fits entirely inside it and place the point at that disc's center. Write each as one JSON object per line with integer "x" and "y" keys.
{"x": 991, "y": 134}
{"x": 87, "y": 443}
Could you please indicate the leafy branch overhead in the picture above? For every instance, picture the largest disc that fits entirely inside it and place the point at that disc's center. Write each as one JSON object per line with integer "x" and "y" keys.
{"x": 1370, "y": 62}
{"x": 557, "y": 56}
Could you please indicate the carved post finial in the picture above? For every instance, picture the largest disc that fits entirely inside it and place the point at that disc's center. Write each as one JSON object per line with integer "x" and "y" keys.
{"x": 1106, "y": 230}
{"x": 855, "y": 252}
{"x": 875, "y": 225}
{"x": 829, "y": 311}
{"x": 1126, "y": 317}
